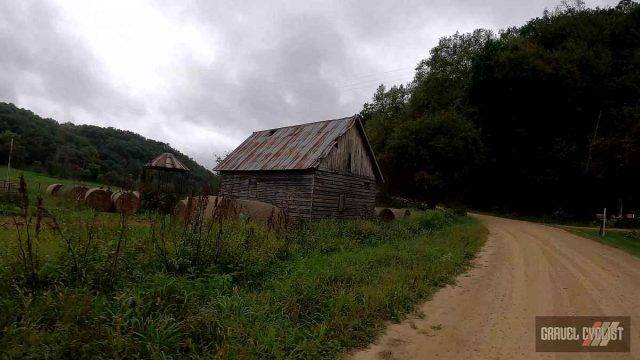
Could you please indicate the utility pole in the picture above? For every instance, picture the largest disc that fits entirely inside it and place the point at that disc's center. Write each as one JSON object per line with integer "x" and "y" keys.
{"x": 603, "y": 226}
{"x": 595, "y": 134}
{"x": 9, "y": 164}
{"x": 620, "y": 207}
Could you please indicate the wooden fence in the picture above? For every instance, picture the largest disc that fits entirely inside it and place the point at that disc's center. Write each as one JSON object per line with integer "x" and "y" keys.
{"x": 13, "y": 192}
{"x": 10, "y": 189}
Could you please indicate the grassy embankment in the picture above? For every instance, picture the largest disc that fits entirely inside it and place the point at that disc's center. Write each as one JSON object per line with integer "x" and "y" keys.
{"x": 155, "y": 288}
{"x": 628, "y": 241}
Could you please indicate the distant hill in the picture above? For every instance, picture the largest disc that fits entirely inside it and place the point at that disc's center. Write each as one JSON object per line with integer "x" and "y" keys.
{"x": 83, "y": 152}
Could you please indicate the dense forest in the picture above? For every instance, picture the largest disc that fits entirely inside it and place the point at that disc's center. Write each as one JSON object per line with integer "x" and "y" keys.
{"x": 83, "y": 152}
{"x": 538, "y": 119}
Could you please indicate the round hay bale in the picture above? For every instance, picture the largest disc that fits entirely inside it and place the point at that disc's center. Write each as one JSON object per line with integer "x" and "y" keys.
{"x": 258, "y": 211}
{"x": 195, "y": 205}
{"x": 53, "y": 189}
{"x": 214, "y": 206}
{"x": 384, "y": 214}
{"x": 126, "y": 202}
{"x": 400, "y": 213}
{"x": 181, "y": 209}
{"x": 73, "y": 192}
{"x": 99, "y": 199}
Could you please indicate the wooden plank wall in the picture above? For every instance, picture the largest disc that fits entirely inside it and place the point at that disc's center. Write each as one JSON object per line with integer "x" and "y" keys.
{"x": 358, "y": 193}
{"x": 337, "y": 159}
{"x": 291, "y": 191}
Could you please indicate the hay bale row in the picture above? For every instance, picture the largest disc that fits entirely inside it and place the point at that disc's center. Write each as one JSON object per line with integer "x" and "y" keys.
{"x": 216, "y": 206}
{"x": 99, "y": 198}
{"x": 127, "y": 202}
{"x": 389, "y": 214}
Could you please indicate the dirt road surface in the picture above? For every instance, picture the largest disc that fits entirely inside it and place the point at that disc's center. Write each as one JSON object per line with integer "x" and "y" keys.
{"x": 524, "y": 270}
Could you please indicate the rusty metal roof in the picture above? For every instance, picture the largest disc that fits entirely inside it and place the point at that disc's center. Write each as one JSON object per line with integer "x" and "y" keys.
{"x": 167, "y": 162}
{"x": 297, "y": 147}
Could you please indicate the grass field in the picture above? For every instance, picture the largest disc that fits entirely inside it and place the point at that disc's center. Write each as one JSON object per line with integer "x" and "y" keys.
{"x": 40, "y": 181}
{"x": 628, "y": 241}
{"x": 155, "y": 288}
{"x": 36, "y": 186}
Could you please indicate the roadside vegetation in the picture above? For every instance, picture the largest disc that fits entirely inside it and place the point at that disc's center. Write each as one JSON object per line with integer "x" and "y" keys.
{"x": 628, "y": 241}
{"x": 109, "y": 286}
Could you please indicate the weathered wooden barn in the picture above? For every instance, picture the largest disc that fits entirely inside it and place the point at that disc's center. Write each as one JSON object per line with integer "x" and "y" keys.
{"x": 316, "y": 170}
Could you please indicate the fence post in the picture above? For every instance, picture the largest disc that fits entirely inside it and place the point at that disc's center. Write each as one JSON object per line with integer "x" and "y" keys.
{"x": 9, "y": 164}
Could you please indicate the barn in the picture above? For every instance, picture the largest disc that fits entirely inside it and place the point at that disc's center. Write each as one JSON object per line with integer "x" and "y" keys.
{"x": 324, "y": 169}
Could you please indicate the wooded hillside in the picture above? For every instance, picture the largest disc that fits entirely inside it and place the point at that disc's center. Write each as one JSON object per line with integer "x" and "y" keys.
{"x": 83, "y": 152}
{"x": 541, "y": 118}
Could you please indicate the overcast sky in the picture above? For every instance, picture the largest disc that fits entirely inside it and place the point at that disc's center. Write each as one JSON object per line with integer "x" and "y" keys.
{"x": 202, "y": 75}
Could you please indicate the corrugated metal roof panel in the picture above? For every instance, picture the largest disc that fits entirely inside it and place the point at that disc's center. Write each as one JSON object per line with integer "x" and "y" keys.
{"x": 289, "y": 148}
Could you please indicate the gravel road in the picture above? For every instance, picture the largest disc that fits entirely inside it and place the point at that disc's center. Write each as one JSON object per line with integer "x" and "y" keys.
{"x": 524, "y": 270}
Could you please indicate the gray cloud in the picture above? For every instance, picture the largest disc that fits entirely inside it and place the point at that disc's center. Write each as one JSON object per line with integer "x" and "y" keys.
{"x": 269, "y": 86}
{"x": 40, "y": 59}
{"x": 272, "y": 64}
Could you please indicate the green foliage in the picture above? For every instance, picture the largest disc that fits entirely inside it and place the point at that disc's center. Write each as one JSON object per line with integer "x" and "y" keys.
{"x": 82, "y": 152}
{"x": 544, "y": 118}
{"x": 423, "y": 137}
{"x": 433, "y": 154}
{"x": 558, "y": 105}
{"x": 311, "y": 291}
{"x": 459, "y": 210}
{"x": 442, "y": 81}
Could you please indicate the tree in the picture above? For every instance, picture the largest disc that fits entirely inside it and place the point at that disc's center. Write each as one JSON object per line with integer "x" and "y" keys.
{"x": 543, "y": 118}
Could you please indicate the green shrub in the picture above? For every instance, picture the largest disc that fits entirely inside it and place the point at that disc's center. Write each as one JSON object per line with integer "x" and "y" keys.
{"x": 459, "y": 210}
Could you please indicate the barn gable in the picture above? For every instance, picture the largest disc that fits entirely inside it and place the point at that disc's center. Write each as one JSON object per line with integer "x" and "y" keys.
{"x": 349, "y": 155}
